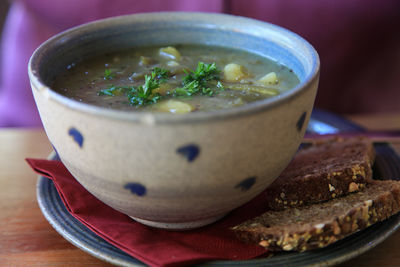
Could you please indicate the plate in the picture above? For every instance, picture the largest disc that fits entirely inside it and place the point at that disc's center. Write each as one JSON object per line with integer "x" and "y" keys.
{"x": 387, "y": 166}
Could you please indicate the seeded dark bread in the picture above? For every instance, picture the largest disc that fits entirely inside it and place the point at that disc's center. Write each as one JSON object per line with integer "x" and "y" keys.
{"x": 325, "y": 170}
{"x": 318, "y": 225}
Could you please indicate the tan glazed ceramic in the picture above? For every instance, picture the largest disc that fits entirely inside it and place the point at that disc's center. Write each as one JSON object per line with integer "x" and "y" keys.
{"x": 167, "y": 170}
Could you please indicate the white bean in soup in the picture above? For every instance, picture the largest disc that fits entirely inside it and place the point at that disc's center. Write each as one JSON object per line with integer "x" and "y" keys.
{"x": 176, "y": 79}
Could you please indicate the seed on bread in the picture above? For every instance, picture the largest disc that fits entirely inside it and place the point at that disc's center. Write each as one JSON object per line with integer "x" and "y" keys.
{"x": 353, "y": 187}
{"x": 331, "y": 187}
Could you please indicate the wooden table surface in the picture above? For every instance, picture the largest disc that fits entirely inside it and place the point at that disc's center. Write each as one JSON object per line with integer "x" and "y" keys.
{"x": 27, "y": 239}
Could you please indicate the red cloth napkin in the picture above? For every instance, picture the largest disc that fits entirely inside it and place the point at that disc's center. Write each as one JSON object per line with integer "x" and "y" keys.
{"x": 152, "y": 246}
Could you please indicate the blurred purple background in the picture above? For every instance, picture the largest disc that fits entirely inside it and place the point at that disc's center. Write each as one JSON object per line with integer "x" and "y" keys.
{"x": 358, "y": 42}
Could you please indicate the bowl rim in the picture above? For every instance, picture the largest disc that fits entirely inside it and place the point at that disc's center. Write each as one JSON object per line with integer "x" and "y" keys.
{"x": 162, "y": 118}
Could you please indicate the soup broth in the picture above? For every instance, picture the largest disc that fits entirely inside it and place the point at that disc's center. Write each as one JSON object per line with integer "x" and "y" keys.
{"x": 175, "y": 79}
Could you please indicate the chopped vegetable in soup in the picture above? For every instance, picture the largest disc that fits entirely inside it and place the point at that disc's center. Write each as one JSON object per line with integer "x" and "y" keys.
{"x": 176, "y": 79}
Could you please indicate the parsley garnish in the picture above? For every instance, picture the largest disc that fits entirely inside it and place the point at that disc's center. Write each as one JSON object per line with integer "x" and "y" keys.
{"x": 196, "y": 82}
{"x": 160, "y": 74}
{"x": 108, "y": 75}
{"x": 113, "y": 91}
{"x": 203, "y": 73}
{"x": 143, "y": 94}
{"x": 188, "y": 89}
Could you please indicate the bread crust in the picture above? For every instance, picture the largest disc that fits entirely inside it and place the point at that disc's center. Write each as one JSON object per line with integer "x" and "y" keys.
{"x": 325, "y": 170}
{"x": 318, "y": 225}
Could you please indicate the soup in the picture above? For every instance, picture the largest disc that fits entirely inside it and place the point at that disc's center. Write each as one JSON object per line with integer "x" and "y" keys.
{"x": 175, "y": 79}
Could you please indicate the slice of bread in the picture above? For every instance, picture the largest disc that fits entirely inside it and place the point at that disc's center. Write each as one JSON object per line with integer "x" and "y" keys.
{"x": 325, "y": 170}
{"x": 318, "y": 225}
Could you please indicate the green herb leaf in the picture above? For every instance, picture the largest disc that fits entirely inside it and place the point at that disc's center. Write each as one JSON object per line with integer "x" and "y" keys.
{"x": 108, "y": 75}
{"x": 112, "y": 91}
{"x": 193, "y": 83}
{"x": 196, "y": 82}
{"x": 142, "y": 95}
{"x": 160, "y": 74}
{"x": 188, "y": 89}
{"x": 203, "y": 73}
{"x": 220, "y": 86}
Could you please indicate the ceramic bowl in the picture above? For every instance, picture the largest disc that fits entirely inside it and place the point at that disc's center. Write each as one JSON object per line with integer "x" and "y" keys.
{"x": 167, "y": 170}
